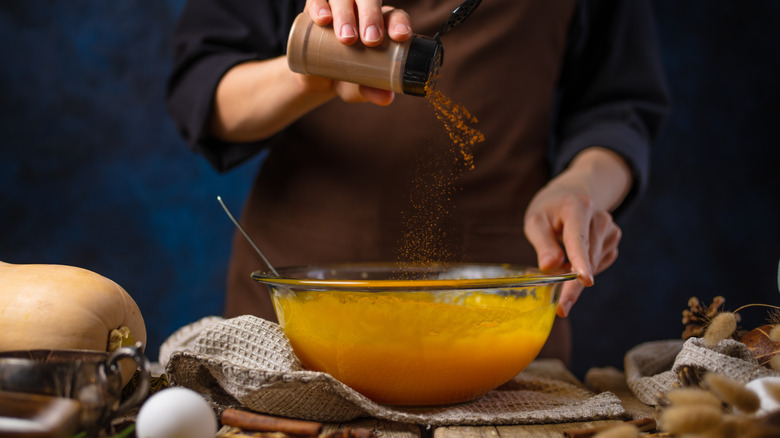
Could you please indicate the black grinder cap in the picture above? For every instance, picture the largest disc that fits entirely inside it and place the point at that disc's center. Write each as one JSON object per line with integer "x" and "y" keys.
{"x": 422, "y": 62}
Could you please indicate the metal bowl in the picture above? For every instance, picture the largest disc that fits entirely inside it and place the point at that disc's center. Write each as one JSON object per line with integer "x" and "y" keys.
{"x": 93, "y": 378}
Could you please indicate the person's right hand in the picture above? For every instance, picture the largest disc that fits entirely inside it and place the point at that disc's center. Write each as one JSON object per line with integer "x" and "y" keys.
{"x": 373, "y": 21}
{"x": 370, "y": 25}
{"x": 256, "y": 99}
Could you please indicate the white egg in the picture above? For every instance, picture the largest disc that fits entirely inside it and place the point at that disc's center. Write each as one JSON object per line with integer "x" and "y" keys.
{"x": 759, "y": 386}
{"x": 176, "y": 413}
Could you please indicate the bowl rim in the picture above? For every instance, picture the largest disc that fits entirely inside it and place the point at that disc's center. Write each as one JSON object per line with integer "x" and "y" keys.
{"x": 530, "y": 277}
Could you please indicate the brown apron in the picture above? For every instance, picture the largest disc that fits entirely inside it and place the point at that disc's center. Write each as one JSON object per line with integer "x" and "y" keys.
{"x": 352, "y": 182}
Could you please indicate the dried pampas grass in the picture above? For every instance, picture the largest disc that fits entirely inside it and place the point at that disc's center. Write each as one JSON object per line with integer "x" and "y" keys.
{"x": 721, "y": 327}
{"x": 732, "y": 393}
{"x": 690, "y": 418}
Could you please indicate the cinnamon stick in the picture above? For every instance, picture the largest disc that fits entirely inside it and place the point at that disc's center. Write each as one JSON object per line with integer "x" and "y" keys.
{"x": 643, "y": 424}
{"x": 265, "y": 423}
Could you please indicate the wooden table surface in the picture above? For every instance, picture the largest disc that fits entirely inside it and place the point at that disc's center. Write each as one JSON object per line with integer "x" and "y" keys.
{"x": 385, "y": 429}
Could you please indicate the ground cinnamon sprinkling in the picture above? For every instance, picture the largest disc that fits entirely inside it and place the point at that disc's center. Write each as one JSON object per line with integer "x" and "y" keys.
{"x": 433, "y": 188}
{"x": 458, "y": 122}
{"x": 426, "y": 224}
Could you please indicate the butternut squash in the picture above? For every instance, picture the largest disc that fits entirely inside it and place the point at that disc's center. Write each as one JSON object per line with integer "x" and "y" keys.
{"x": 63, "y": 307}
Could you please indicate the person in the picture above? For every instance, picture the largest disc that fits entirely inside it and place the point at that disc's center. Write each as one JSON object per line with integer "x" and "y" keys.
{"x": 568, "y": 94}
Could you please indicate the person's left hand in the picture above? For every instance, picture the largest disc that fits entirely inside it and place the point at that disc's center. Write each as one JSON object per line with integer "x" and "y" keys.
{"x": 565, "y": 221}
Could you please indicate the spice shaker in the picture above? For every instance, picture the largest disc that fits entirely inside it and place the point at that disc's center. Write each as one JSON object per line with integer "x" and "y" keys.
{"x": 404, "y": 67}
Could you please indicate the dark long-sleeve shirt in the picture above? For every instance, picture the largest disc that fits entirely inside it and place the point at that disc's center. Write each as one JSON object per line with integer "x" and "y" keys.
{"x": 354, "y": 182}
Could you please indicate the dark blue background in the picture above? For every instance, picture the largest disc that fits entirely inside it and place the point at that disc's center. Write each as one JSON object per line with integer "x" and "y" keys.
{"x": 93, "y": 173}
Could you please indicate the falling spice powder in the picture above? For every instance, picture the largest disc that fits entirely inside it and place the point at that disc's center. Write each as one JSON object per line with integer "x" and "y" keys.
{"x": 425, "y": 239}
{"x": 458, "y": 122}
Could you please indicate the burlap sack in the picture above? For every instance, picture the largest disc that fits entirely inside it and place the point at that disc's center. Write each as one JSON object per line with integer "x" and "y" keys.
{"x": 652, "y": 368}
{"x": 247, "y": 362}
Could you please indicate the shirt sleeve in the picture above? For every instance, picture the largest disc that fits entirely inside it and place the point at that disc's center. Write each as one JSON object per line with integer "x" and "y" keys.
{"x": 211, "y": 37}
{"x": 612, "y": 91}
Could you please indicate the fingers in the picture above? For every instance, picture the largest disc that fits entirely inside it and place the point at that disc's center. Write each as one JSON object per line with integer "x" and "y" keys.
{"x": 353, "y": 93}
{"x": 364, "y": 20}
{"x": 319, "y": 11}
{"x": 569, "y": 295}
{"x": 399, "y": 24}
{"x": 544, "y": 238}
{"x": 576, "y": 241}
{"x": 377, "y": 96}
{"x": 604, "y": 237}
{"x": 371, "y": 21}
{"x": 607, "y": 259}
{"x": 352, "y": 20}
{"x": 572, "y": 229}
{"x": 344, "y": 21}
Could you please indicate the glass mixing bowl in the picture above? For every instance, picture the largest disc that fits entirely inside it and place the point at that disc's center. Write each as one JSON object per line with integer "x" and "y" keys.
{"x": 416, "y": 335}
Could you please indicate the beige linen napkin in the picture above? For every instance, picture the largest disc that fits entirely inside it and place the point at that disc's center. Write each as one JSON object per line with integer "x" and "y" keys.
{"x": 652, "y": 368}
{"x": 247, "y": 362}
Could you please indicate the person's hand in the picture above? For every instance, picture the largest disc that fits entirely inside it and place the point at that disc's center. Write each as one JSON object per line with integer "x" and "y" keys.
{"x": 370, "y": 25}
{"x": 569, "y": 223}
{"x": 346, "y": 91}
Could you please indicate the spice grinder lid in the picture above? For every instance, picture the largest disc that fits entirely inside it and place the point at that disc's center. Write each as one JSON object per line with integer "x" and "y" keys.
{"x": 422, "y": 62}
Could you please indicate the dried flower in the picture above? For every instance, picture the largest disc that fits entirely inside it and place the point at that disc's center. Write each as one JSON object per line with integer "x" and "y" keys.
{"x": 692, "y": 396}
{"x": 740, "y": 426}
{"x": 774, "y": 334}
{"x": 710, "y": 405}
{"x": 721, "y": 327}
{"x": 689, "y": 376}
{"x": 732, "y": 392}
{"x": 774, "y": 363}
{"x": 696, "y": 316}
{"x": 774, "y": 316}
{"x": 691, "y": 419}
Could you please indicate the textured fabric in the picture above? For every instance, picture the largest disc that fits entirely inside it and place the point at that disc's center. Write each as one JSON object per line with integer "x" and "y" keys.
{"x": 648, "y": 368}
{"x": 652, "y": 368}
{"x": 613, "y": 380}
{"x": 247, "y": 362}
